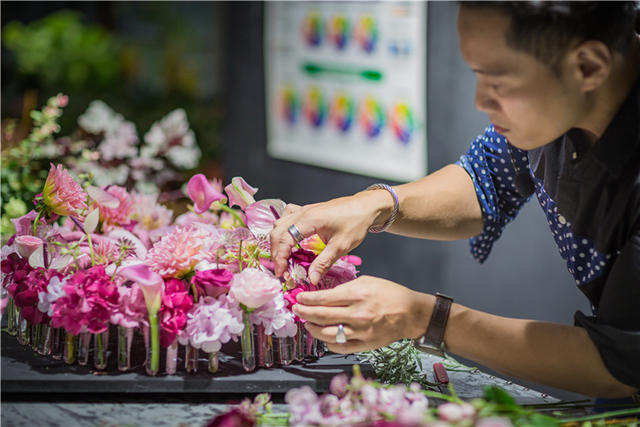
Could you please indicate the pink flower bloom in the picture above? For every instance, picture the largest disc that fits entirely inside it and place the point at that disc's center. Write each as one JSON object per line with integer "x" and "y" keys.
{"x": 291, "y": 299}
{"x": 24, "y": 224}
{"x": 26, "y": 244}
{"x": 25, "y": 293}
{"x": 189, "y": 218}
{"x": 62, "y": 194}
{"x": 202, "y": 193}
{"x": 91, "y": 297}
{"x": 340, "y": 272}
{"x": 213, "y": 322}
{"x": 352, "y": 259}
{"x": 235, "y": 417}
{"x": 338, "y": 385}
{"x": 302, "y": 257}
{"x": 454, "y": 412}
{"x": 178, "y": 252}
{"x": 212, "y": 282}
{"x": 55, "y": 290}
{"x": 176, "y": 302}
{"x": 240, "y": 193}
{"x": 253, "y": 287}
{"x": 132, "y": 309}
{"x": 262, "y": 214}
{"x": 150, "y": 283}
{"x": 275, "y": 317}
{"x": 120, "y": 215}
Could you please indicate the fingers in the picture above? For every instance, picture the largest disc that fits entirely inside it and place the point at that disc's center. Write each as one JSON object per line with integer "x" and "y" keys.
{"x": 328, "y": 333}
{"x": 320, "y": 315}
{"x": 281, "y": 240}
{"x": 325, "y": 260}
{"x": 335, "y": 297}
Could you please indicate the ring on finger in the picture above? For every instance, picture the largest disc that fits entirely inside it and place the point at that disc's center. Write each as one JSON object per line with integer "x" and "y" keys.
{"x": 295, "y": 233}
{"x": 341, "y": 337}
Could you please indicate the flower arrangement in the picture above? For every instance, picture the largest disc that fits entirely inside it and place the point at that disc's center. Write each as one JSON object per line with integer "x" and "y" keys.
{"x": 90, "y": 259}
{"x": 365, "y": 402}
{"x": 106, "y": 150}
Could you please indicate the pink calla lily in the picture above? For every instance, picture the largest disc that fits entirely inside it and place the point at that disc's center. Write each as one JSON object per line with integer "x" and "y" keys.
{"x": 149, "y": 281}
{"x": 240, "y": 193}
{"x": 262, "y": 214}
{"x": 202, "y": 193}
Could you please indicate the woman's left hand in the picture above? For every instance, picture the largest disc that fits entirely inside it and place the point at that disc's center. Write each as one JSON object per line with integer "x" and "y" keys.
{"x": 374, "y": 312}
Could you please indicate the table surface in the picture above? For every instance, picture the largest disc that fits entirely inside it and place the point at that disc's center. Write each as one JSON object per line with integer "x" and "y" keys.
{"x": 39, "y": 390}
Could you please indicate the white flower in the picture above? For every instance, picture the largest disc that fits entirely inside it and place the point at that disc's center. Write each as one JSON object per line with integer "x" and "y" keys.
{"x": 54, "y": 291}
{"x": 172, "y": 137}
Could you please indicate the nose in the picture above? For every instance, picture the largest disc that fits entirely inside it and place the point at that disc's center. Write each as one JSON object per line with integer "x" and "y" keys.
{"x": 484, "y": 101}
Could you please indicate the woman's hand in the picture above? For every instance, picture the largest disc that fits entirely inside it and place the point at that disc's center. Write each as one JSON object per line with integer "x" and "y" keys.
{"x": 341, "y": 223}
{"x": 375, "y": 312}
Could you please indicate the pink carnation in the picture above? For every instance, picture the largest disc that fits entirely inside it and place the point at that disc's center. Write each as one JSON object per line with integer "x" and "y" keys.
{"x": 253, "y": 287}
{"x": 291, "y": 297}
{"x": 25, "y": 293}
{"x": 176, "y": 302}
{"x": 62, "y": 194}
{"x": 90, "y": 300}
{"x": 212, "y": 282}
{"x": 120, "y": 216}
{"x": 178, "y": 252}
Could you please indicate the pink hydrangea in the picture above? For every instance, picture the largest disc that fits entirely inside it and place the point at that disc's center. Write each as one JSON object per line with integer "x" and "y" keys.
{"x": 212, "y": 322}
{"x": 132, "y": 309}
{"x": 119, "y": 216}
{"x": 61, "y": 194}
{"x": 178, "y": 252}
{"x": 90, "y": 300}
{"x": 276, "y": 319}
{"x": 176, "y": 302}
{"x": 253, "y": 287}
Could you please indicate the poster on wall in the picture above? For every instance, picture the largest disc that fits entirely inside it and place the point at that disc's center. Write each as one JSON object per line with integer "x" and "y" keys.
{"x": 346, "y": 86}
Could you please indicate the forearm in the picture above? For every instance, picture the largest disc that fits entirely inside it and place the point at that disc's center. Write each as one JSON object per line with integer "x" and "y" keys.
{"x": 552, "y": 354}
{"x": 440, "y": 206}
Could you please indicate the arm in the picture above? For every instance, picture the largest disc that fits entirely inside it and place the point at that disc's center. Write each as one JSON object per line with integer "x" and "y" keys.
{"x": 376, "y": 312}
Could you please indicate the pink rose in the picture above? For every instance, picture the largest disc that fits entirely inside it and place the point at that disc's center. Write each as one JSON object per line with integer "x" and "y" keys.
{"x": 213, "y": 282}
{"x": 253, "y": 287}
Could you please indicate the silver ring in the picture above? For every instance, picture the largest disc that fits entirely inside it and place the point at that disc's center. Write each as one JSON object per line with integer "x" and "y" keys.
{"x": 295, "y": 233}
{"x": 341, "y": 338}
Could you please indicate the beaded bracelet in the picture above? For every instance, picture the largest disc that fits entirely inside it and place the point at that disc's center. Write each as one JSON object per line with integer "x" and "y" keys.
{"x": 396, "y": 207}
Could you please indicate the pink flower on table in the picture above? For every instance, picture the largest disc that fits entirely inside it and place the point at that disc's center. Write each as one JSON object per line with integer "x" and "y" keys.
{"x": 213, "y": 282}
{"x": 240, "y": 193}
{"x": 291, "y": 299}
{"x": 25, "y": 293}
{"x": 454, "y": 412}
{"x": 55, "y": 290}
{"x": 91, "y": 297}
{"x": 176, "y": 302}
{"x": 27, "y": 244}
{"x": 118, "y": 216}
{"x": 276, "y": 318}
{"x": 61, "y": 194}
{"x": 203, "y": 193}
{"x": 340, "y": 272}
{"x": 178, "y": 252}
{"x": 253, "y": 287}
{"x": 211, "y": 323}
{"x": 132, "y": 309}
{"x": 150, "y": 283}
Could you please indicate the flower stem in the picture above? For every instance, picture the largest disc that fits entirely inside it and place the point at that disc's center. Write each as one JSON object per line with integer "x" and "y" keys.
{"x": 35, "y": 223}
{"x": 233, "y": 213}
{"x": 100, "y": 352}
{"x": 93, "y": 261}
{"x": 155, "y": 342}
{"x": 618, "y": 413}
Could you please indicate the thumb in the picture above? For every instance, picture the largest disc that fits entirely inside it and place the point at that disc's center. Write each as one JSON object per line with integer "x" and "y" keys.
{"x": 324, "y": 261}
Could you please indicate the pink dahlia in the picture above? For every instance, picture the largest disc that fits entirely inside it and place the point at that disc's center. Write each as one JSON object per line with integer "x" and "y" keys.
{"x": 178, "y": 252}
{"x": 90, "y": 300}
{"x": 118, "y": 216}
{"x": 176, "y": 302}
{"x": 62, "y": 194}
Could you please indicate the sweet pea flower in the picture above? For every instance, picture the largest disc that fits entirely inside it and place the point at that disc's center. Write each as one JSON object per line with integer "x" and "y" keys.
{"x": 240, "y": 193}
{"x": 202, "y": 193}
{"x": 262, "y": 214}
{"x": 27, "y": 245}
{"x": 212, "y": 283}
{"x": 253, "y": 287}
{"x": 149, "y": 281}
{"x": 62, "y": 194}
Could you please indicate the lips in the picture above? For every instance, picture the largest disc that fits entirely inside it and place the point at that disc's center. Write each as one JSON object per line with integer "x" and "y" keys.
{"x": 500, "y": 129}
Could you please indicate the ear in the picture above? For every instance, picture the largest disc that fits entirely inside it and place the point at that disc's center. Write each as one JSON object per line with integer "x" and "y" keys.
{"x": 591, "y": 63}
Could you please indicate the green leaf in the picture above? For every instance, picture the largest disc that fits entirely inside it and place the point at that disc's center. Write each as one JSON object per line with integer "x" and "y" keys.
{"x": 497, "y": 395}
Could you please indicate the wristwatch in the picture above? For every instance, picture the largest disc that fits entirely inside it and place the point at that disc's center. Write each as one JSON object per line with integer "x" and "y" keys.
{"x": 433, "y": 340}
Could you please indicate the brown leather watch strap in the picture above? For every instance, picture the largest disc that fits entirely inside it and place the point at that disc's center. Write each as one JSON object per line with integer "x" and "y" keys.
{"x": 438, "y": 322}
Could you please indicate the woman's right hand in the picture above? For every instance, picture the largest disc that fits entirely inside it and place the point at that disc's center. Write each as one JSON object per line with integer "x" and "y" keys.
{"x": 341, "y": 223}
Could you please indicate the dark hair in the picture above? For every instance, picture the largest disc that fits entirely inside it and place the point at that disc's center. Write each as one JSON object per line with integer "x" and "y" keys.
{"x": 546, "y": 29}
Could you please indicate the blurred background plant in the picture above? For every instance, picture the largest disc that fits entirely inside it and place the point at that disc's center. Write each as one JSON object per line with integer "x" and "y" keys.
{"x": 157, "y": 64}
